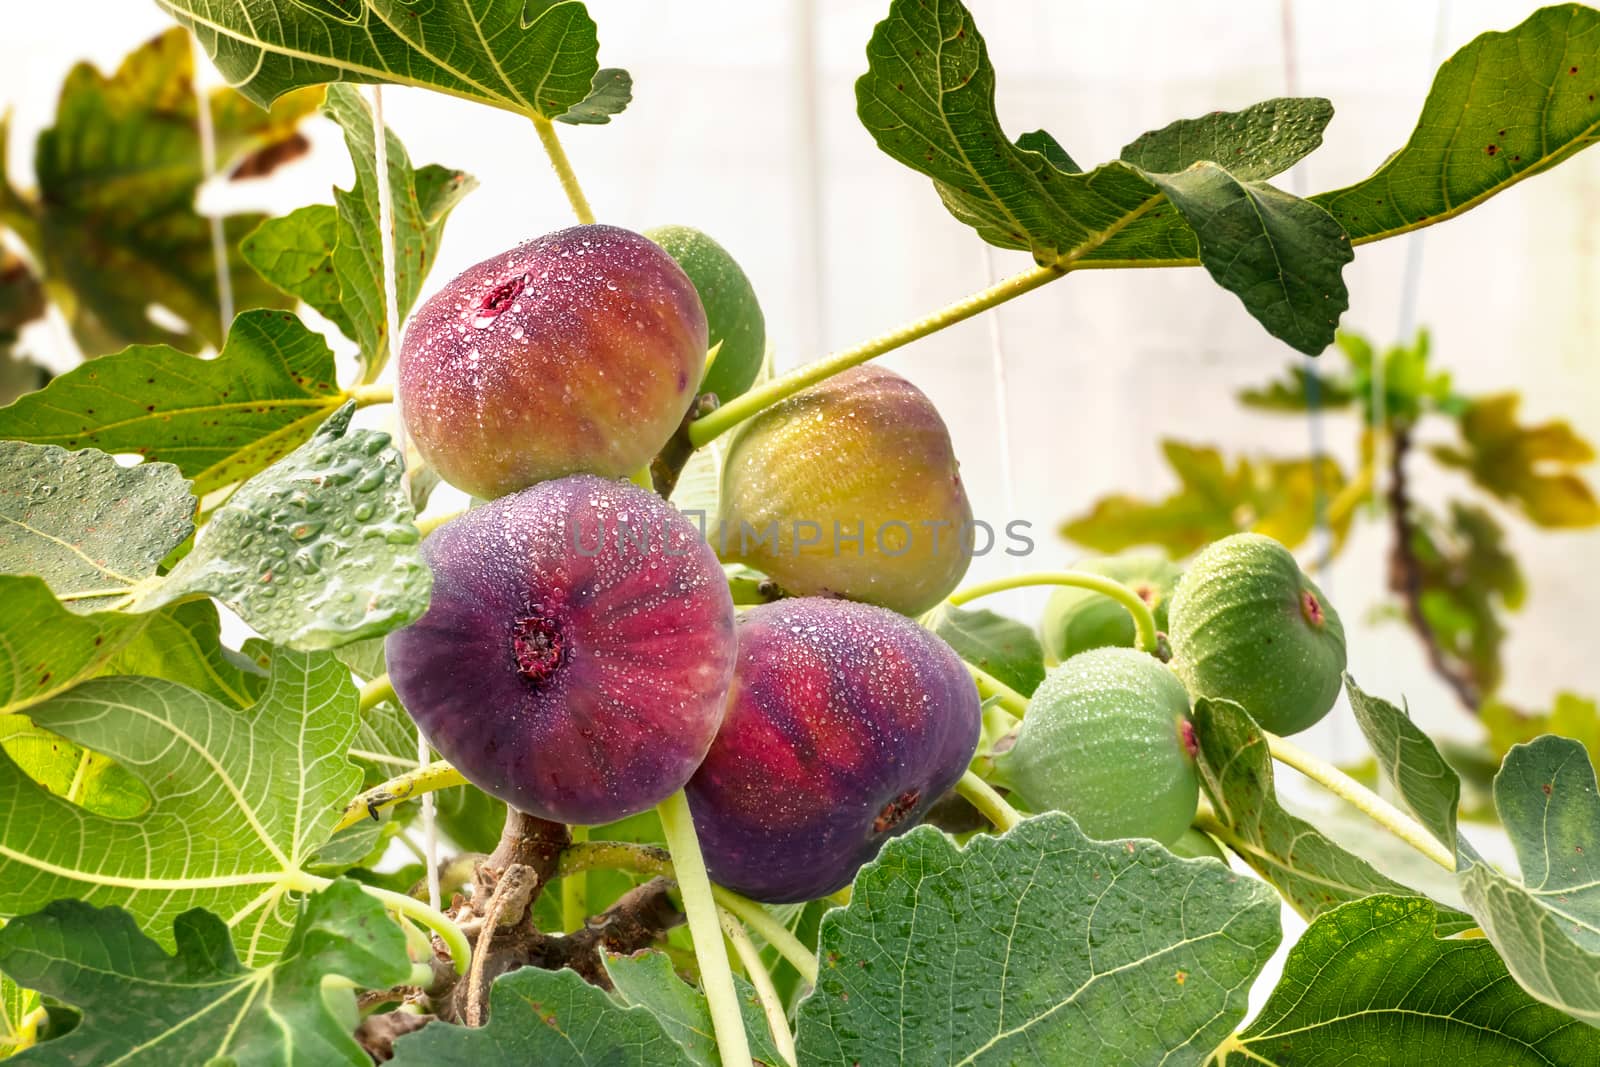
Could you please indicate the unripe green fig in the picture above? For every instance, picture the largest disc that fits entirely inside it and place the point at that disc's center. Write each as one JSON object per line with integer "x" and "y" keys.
{"x": 1107, "y": 740}
{"x": 1248, "y": 625}
{"x": 851, "y": 489}
{"x": 1076, "y": 620}
{"x": 733, "y": 315}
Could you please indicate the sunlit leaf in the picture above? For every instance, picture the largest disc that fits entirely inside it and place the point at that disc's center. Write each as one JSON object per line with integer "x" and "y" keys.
{"x": 114, "y": 223}
{"x": 45, "y": 648}
{"x": 1569, "y": 715}
{"x": 71, "y": 772}
{"x": 533, "y": 58}
{"x": 218, "y": 420}
{"x": 1269, "y": 496}
{"x": 331, "y": 256}
{"x": 239, "y": 801}
{"x": 201, "y": 1005}
{"x": 1528, "y": 466}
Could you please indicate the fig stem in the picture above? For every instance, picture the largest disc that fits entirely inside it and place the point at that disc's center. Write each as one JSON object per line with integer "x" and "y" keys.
{"x": 1143, "y": 620}
{"x": 376, "y": 692}
{"x": 981, "y": 795}
{"x": 575, "y": 889}
{"x": 990, "y": 686}
{"x": 380, "y": 798}
{"x": 410, "y": 907}
{"x": 1363, "y": 799}
{"x": 563, "y": 168}
{"x": 700, "y": 909}
{"x": 743, "y": 407}
{"x": 426, "y": 526}
{"x": 368, "y": 395}
{"x": 766, "y": 992}
{"x": 644, "y": 859}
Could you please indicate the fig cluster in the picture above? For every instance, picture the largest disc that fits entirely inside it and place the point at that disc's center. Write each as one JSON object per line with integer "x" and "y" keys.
{"x": 581, "y": 659}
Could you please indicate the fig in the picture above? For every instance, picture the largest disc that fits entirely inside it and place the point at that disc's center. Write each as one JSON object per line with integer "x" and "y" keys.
{"x": 1107, "y": 740}
{"x": 577, "y": 652}
{"x": 849, "y": 488}
{"x": 736, "y": 328}
{"x": 1248, "y": 625}
{"x": 576, "y": 352}
{"x": 1076, "y": 620}
{"x": 845, "y": 723}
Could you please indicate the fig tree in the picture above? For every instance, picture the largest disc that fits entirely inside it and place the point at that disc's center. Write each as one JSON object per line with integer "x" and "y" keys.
{"x": 849, "y": 488}
{"x": 577, "y": 651}
{"x": 579, "y": 351}
{"x": 736, "y": 328}
{"x": 845, "y": 723}
{"x": 1107, "y": 740}
{"x": 1248, "y": 625}
{"x": 1076, "y": 620}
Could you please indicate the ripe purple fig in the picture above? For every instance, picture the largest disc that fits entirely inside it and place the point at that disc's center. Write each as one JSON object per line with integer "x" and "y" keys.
{"x": 845, "y": 723}
{"x": 576, "y": 352}
{"x": 850, "y": 488}
{"x": 577, "y": 652}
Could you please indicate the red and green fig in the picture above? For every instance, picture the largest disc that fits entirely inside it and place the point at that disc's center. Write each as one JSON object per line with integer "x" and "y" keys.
{"x": 1076, "y": 620}
{"x": 576, "y": 352}
{"x": 576, "y": 655}
{"x": 845, "y": 723}
{"x": 736, "y": 328}
{"x": 1247, "y": 625}
{"x": 849, "y": 488}
{"x": 1107, "y": 739}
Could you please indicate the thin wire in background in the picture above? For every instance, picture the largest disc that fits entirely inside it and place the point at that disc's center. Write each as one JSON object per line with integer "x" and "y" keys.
{"x": 208, "y": 170}
{"x": 391, "y": 301}
{"x": 1002, "y": 404}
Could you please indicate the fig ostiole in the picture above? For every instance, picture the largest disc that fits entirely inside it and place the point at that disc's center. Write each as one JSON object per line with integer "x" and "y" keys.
{"x": 577, "y": 352}
{"x": 576, "y": 655}
{"x": 1076, "y": 620}
{"x": 846, "y": 722}
{"x": 1107, "y": 740}
{"x": 1248, "y": 625}
{"x": 849, "y": 488}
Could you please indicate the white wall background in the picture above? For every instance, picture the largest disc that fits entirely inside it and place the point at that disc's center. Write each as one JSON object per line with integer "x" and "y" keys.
{"x": 743, "y": 124}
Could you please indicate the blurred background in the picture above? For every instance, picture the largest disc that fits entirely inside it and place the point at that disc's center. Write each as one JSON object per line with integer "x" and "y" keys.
{"x": 743, "y": 125}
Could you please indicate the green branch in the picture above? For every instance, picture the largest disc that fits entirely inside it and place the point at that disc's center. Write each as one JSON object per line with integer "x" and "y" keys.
{"x": 380, "y": 798}
{"x": 563, "y": 168}
{"x": 981, "y": 795}
{"x": 1143, "y": 620}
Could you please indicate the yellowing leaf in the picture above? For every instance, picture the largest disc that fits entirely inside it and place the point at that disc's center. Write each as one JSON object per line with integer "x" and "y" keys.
{"x": 1529, "y": 466}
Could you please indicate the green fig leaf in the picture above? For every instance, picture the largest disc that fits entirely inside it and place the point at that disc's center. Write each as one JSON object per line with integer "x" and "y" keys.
{"x": 114, "y": 225}
{"x": 201, "y": 1005}
{"x": 1467, "y": 578}
{"x": 317, "y": 550}
{"x": 1530, "y": 467}
{"x": 993, "y": 643}
{"x": 1372, "y": 982}
{"x": 609, "y": 94}
{"x": 90, "y": 528}
{"x": 552, "y": 1018}
{"x": 239, "y": 801}
{"x": 1302, "y": 390}
{"x": 1043, "y": 938}
{"x": 647, "y": 980}
{"x": 1268, "y": 496}
{"x": 19, "y": 1016}
{"x": 532, "y": 58}
{"x": 183, "y": 643}
{"x": 46, "y": 649}
{"x": 331, "y": 257}
{"x": 928, "y": 101}
{"x": 85, "y": 778}
{"x": 1313, "y": 873}
{"x": 1547, "y": 928}
{"x": 1508, "y": 105}
{"x": 217, "y": 420}
{"x": 1427, "y": 785}
{"x": 1569, "y": 715}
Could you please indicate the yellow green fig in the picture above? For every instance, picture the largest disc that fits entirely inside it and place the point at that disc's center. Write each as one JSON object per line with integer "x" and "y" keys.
{"x": 851, "y": 489}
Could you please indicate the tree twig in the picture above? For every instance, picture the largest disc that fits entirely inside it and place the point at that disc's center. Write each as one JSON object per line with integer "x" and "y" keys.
{"x": 508, "y": 904}
{"x": 1405, "y": 577}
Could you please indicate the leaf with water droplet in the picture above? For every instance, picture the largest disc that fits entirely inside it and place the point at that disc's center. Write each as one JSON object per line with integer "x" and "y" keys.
{"x": 91, "y": 528}
{"x": 269, "y": 583}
